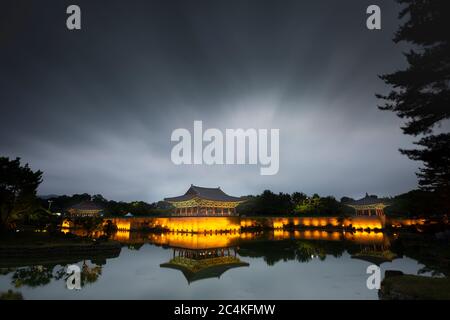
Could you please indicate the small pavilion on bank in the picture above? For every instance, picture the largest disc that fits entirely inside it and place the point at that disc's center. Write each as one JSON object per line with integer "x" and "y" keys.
{"x": 369, "y": 206}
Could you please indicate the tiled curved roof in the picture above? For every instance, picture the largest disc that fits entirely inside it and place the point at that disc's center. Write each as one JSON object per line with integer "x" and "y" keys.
{"x": 215, "y": 194}
{"x": 366, "y": 201}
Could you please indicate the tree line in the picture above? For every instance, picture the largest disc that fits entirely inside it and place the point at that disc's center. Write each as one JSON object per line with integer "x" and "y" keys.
{"x": 416, "y": 203}
{"x": 109, "y": 207}
{"x": 19, "y": 204}
{"x": 420, "y": 93}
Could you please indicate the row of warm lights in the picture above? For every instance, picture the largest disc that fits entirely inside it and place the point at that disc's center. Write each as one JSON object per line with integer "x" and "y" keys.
{"x": 194, "y": 241}
{"x": 211, "y": 226}
{"x": 279, "y": 223}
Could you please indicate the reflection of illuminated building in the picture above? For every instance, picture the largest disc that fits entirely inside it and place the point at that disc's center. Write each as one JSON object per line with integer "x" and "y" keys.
{"x": 198, "y": 264}
{"x": 199, "y": 201}
{"x": 374, "y": 247}
{"x": 375, "y": 256}
{"x": 65, "y": 226}
{"x": 231, "y": 239}
{"x": 200, "y": 256}
{"x": 195, "y": 241}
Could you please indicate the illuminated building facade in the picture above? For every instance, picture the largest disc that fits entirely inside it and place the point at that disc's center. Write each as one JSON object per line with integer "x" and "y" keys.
{"x": 200, "y": 201}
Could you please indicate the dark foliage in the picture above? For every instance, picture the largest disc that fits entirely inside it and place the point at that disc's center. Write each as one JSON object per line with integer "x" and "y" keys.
{"x": 267, "y": 203}
{"x": 416, "y": 203}
{"x": 18, "y": 185}
{"x": 110, "y": 207}
{"x": 421, "y": 93}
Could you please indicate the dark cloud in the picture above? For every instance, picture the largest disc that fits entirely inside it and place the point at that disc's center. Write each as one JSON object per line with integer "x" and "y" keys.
{"x": 94, "y": 109}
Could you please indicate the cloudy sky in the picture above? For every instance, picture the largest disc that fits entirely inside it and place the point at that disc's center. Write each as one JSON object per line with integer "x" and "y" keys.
{"x": 94, "y": 109}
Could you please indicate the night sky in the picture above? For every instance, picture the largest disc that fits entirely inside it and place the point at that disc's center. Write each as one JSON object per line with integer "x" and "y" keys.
{"x": 94, "y": 109}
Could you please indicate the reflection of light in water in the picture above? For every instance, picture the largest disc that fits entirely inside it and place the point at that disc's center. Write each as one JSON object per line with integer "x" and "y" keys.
{"x": 364, "y": 237}
{"x": 406, "y": 222}
{"x": 214, "y": 240}
{"x": 122, "y": 224}
{"x": 194, "y": 241}
{"x": 249, "y": 235}
{"x": 357, "y": 237}
{"x": 207, "y": 231}
{"x": 281, "y": 234}
{"x": 122, "y": 235}
{"x": 231, "y": 224}
{"x": 65, "y": 224}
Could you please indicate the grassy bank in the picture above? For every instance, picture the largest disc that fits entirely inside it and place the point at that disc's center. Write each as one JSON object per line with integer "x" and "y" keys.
{"x": 32, "y": 248}
{"x": 411, "y": 287}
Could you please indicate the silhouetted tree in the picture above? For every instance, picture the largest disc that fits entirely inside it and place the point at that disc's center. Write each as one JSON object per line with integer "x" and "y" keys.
{"x": 267, "y": 203}
{"x": 100, "y": 200}
{"x": 329, "y": 205}
{"x": 421, "y": 93}
{"x": 435, "y": 154}
{"x": 18, "y": 185}
{"x": 109, "y": 228}
{"x": 415, "y": 203}
{"x": 298, "y": 198}
{"x": 89, "y": 224}
{"x": 270, "y": 203}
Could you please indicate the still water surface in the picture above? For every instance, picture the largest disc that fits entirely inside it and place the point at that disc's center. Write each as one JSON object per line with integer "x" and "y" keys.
{"x": 270, "y": 265}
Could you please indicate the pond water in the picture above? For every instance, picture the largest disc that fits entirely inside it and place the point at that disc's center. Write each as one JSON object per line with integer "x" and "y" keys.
{"x": 267, "y": 265}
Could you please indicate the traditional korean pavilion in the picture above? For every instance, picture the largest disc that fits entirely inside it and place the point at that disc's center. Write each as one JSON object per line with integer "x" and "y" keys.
{"x": 200, "y": 201}
{"x": 85, "y": 209}
{"x": 369, "y": 206}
